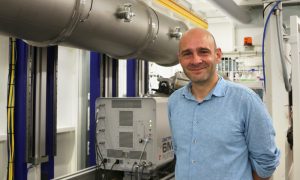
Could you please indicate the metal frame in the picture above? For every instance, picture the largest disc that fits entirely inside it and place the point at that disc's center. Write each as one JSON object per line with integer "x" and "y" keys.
{"x": 95, "y": 80}
{"x": 131, "y": 78}
{"x": 295, "y": 44}
{"x": 47, "y": 168}
{"x": 278, "y": 107}
{"x": 20, "y": 112}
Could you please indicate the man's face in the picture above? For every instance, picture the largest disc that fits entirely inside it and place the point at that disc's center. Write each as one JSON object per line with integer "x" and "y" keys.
{"x": 198, "y": 56}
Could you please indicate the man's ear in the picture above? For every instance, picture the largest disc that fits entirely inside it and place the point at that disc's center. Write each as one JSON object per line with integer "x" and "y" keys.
{"x": 219, "y": 55}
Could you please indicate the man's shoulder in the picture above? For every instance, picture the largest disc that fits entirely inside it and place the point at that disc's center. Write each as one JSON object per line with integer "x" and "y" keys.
{"x": 241, "y": 92}
{"x": 240, "y": 88}
{"x": 177, "y": 94}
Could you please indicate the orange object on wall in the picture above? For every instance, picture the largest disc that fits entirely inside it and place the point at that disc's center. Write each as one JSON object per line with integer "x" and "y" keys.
{"x": 247, "y": 41}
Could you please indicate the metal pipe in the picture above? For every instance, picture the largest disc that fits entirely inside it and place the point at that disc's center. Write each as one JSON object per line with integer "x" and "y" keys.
{"x": 120, "y": 28}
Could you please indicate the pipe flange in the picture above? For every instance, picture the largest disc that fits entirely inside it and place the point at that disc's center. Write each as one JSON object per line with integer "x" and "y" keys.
{"x": 78, "y": 15}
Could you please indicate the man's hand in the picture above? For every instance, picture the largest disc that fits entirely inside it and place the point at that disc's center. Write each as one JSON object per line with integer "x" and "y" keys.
{"x": 256, "y": 177}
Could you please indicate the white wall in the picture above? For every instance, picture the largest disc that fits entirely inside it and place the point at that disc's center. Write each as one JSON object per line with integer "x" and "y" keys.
{"x": 67, "y": 90}
{"x": 4, "y": 44}
{"x": 224, "y": 34}
{"x": 255, "y": 32}
{"x": 65, "y": 160}
{"x": 67, "y": 110}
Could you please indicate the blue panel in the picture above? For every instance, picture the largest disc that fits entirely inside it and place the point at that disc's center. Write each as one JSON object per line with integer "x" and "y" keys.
{"x": 94, "y": 94}
{"x": 146, "y": 74}
{"x": 47, "y": 168}
{"x": 114, "y": 77}
{"x": 20, "y": 172}
{"x": 131, "y": 77}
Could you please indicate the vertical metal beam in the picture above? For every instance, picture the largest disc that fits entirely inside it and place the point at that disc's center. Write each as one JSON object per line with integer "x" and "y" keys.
{"x": 47, "y": 168}
{"x": 295, "y": 45}
{"x": 146, "y": 76}
{"x": 131, "y": 78}
{"x": 115, "y": 79}
{"x": 84, "y": 89}
{"x": 278, "y": 107}
{"x": 20, "y": 112}
{"x": 94, "y": 94}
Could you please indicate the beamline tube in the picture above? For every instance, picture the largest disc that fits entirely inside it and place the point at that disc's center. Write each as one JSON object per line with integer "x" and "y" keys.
{"x": 120, "y": 28}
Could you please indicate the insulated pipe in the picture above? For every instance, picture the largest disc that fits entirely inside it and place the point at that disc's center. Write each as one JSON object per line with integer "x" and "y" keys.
{"x": 232, "y": 9}
{"x": 120, "y": 28}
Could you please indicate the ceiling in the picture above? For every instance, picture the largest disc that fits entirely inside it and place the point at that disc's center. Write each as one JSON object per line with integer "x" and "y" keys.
{"x": 210, "y": 12}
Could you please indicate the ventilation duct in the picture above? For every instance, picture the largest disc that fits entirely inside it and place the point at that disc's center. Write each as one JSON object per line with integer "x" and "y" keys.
{"x": 238, "y": 13}
{"x": 120, "y": 28}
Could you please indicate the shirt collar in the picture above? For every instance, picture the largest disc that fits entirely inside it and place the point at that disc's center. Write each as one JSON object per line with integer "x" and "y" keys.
{"x": 219, "y": 90}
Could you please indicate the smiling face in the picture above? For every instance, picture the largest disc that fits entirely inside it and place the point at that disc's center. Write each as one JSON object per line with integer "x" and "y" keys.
{"x": 199, "y": 56}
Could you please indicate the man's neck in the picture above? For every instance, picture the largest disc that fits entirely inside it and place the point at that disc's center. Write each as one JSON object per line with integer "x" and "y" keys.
{"x": 201, "y": 90}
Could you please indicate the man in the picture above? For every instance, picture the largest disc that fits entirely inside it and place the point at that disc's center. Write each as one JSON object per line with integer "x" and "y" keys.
{"x": 220, "y": 130}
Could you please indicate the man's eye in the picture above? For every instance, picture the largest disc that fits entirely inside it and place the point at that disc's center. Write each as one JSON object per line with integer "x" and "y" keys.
{"x": 186, "y": 54}
{"x": 203, "y": 52}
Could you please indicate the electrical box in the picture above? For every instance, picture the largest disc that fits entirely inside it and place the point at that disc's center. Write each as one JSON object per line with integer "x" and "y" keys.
{"x": 133, "y": 131}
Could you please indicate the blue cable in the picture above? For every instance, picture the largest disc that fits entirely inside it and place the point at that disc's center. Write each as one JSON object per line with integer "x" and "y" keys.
{"x": 263, "y": 42}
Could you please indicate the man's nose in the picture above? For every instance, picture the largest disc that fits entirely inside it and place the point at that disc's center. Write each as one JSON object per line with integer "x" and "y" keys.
{"x": 196, "y": 58}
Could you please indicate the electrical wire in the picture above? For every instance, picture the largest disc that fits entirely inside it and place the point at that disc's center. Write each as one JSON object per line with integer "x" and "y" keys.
{"x": 135, "y": 163}
{"x": 263, "y": 42}
{"x": 11, "y": 110}
{"x": 144, "y": 149}
{"x": 266, "y": 8}
{"x": 142, "y": 171}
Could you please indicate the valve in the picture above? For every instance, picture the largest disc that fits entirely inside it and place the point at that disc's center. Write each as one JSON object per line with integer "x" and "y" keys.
{"x": 176, "y": 33}
{"x": 125, "y": 12}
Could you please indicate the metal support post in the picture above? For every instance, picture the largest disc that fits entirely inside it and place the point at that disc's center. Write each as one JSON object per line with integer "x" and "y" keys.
{"x": 20, "y": 172}
{"x": 47, "y": 168}
{"x": 131, "y": 78}
{"x": 94, "y": 94}
{"x": 278, "y": 107}
{"x": 295, "y": 50}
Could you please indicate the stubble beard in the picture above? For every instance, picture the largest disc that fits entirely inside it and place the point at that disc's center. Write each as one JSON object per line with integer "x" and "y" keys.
{"x": 203, "y": 78}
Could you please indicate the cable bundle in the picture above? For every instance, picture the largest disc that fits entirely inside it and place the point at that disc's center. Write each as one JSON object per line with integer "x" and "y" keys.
{"x": 11, "y": 110}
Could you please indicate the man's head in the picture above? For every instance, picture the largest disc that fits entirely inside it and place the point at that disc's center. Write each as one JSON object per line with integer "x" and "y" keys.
{"x": 198, "y": 55}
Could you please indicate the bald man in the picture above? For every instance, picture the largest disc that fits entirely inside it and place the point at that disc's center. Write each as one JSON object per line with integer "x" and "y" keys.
{"x": 221, "y": 130}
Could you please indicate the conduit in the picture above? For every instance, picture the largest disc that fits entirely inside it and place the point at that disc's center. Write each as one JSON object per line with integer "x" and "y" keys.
{"x": 238, "y": 13}
{"x": 120, "y": 28}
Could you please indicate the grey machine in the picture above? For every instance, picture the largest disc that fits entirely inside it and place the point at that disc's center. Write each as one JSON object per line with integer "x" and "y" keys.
{"x": 133, "y": 135}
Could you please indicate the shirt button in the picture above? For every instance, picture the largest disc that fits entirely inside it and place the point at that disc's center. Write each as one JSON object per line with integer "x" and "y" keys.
{"x": 193, "y": 161}
{"x": 194, "y": 141}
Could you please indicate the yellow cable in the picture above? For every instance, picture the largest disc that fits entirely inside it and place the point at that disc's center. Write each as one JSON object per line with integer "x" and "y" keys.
{"x": 13, "y": 110}
{"x": 10, "y": 114}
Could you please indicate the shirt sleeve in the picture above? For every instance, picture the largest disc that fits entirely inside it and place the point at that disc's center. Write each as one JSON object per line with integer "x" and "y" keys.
{"x": 260, "y": 138}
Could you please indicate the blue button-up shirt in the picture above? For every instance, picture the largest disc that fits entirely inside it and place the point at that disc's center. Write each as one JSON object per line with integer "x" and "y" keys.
{"x": 225, "y": 137}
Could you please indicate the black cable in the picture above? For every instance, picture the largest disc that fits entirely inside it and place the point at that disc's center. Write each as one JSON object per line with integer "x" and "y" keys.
{"x": 116, "y": 162}
{"x": 132, "y": 170}
{"x": 142, "y": 171}
{"x": 266, "y": 8}
{"x": 112, "y": 166}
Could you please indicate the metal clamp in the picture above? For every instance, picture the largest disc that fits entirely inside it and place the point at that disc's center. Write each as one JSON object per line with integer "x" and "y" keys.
{"x": 175, "y": 33}
{"x": 125, "y": 12}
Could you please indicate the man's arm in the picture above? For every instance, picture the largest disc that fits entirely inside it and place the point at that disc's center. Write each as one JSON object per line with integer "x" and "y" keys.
{"x": 256, "y": 177}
